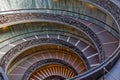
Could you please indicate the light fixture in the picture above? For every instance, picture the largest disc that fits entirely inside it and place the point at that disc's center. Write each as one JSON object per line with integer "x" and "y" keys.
{"x": 5, "y": 28}
{"x": 91, "y": 6}
{"x": 55, "y": 1}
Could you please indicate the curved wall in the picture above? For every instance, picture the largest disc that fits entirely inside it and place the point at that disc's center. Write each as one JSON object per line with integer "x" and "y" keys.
{"x": 110, "y": 7}
{"x": 69, "y": 5}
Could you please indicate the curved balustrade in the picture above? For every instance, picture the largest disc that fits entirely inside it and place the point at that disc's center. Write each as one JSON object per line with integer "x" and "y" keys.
{"x": 60, "y": 12}
{"x": 108, "y": 5}
{"x": 7, "y": 17}
{"x": 75, "y": 23}
{"x": 5, "y": 42}
{"x": 99, "y": 71}
{"x": 71, "y": 22}
{"x": 65, "y": 20}
{"x": 43, "y": 52}
{"x": 35, "y": 42}
{"x": 41, "y": 63}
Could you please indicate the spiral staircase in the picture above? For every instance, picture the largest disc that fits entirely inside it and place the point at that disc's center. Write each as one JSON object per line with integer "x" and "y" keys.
{"x": 58, "y": 39}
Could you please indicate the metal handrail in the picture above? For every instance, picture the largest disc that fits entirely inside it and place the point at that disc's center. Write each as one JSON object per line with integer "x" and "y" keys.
{"x": 65, "y": 12}
{"x": 76, "y": 24}
{"x": 39, "y": 31}
{"x": 106, "y": 63}
{"x": 108, "y": 28}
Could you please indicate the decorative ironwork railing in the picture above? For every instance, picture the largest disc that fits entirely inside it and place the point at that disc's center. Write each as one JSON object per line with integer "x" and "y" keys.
{"x": 36, "y": 42}
{"x": 71, "y": 22}
{"x": 5, "y": 18}
{"x": 12, "y": 39}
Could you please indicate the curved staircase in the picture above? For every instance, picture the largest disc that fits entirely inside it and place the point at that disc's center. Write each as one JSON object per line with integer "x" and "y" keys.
{"x": 23, "y": 46}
